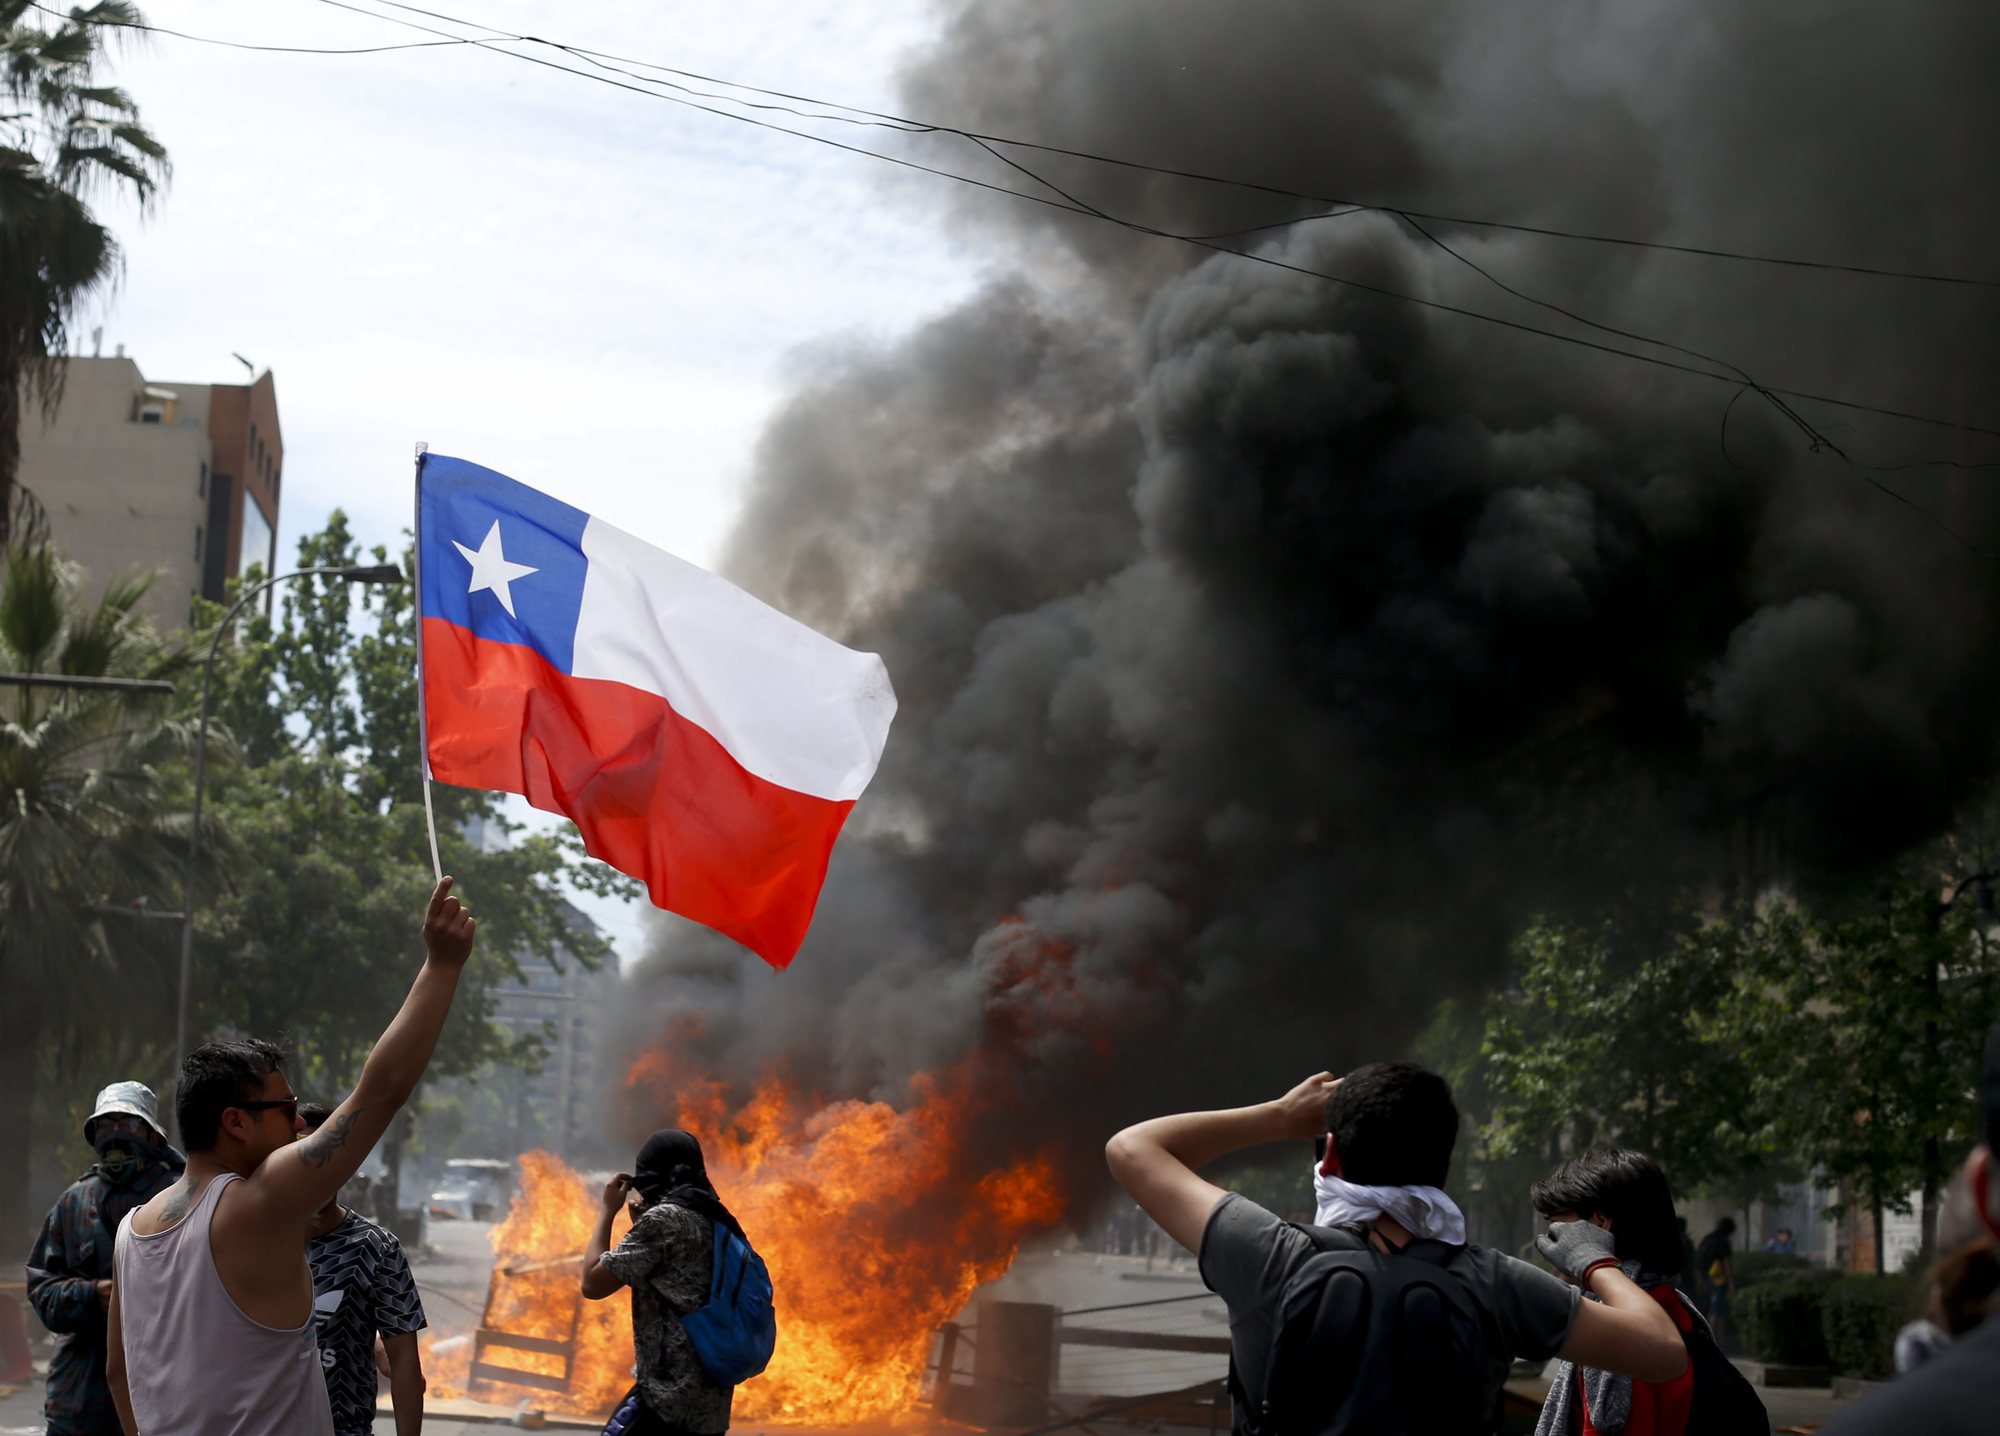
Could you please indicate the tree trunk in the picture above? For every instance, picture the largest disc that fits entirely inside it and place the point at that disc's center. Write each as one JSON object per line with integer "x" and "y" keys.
{"x": 1927, "y": 1235}
{"x": 1875, "y": 1208}
{"x": 1933, "y": 1158}
{"x": 10, "y": 440}
{"x": 20, "y": 1044}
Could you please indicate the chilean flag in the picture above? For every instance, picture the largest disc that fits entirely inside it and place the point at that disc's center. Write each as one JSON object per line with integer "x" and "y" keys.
{"x": 703, "y": 742}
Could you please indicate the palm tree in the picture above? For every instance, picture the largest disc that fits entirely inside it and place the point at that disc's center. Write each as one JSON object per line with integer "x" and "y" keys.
{"x": 85, "y": 829}
{"x": 63, "y": 136}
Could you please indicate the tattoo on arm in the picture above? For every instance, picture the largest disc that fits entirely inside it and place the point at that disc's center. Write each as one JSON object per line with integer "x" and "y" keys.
{"x": 318, "y": 1149}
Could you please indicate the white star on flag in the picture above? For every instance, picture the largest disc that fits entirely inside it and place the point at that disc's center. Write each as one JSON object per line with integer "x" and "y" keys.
{"x": 492, "y": 569}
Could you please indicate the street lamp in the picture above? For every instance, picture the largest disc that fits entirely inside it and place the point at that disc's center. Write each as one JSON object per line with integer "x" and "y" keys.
{"x": 379, "y": 573}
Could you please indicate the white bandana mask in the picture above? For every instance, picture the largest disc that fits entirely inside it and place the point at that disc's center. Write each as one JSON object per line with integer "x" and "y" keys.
{"x": 1422, "y": 1211}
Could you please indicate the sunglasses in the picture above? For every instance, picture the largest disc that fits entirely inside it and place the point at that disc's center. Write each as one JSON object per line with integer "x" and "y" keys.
{"x": 290, "y": 1104}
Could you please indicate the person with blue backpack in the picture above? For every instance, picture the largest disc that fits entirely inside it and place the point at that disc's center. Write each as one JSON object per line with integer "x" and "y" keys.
{"x": 702, "y": 1303}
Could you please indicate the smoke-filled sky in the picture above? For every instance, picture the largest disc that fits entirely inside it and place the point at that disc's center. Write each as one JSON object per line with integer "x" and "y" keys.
{"x": 1268, "y": 648}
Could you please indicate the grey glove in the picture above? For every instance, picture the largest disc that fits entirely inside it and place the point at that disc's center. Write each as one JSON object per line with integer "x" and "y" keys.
{"x": 1576, "y": 1249}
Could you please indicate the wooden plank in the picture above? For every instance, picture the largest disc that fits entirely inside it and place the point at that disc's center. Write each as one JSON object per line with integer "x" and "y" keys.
{"x": 1142, "y": 1340}
{"x": 481, "y": 1371}
{"x": 487, "y": 1336}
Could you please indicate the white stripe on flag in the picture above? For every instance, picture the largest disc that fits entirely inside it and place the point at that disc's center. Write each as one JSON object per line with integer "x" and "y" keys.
{"x": 790, "y": 705}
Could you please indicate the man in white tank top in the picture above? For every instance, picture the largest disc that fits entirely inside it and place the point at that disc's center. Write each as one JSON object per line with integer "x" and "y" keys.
{"x": 211, "y": 1319}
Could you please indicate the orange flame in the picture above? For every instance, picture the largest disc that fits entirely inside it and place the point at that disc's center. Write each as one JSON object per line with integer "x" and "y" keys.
{"x": 876, "y": 1223}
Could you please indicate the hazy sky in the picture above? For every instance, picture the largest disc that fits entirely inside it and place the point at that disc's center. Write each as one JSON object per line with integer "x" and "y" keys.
{"x": 593, "y": 291}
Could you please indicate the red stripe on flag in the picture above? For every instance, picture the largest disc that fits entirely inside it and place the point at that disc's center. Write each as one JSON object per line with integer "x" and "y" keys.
{"x": 654, "y": 795}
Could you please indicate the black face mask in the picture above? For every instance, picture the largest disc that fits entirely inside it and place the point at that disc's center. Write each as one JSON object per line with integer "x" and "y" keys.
{"x": 122, "y": 1159}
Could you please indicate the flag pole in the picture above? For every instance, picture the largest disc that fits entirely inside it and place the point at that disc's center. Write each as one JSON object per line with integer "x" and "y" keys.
{"x": 423, "y": 718}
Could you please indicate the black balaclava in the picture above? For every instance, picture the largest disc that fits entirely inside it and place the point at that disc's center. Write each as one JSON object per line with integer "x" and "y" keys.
{"x": 122, "y": 1160}
{"x": 670, "y": 1169}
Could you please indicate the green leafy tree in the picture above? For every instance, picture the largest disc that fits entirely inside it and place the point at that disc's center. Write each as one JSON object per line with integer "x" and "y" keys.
{"x": 1609, "y": 1036}
{"x": 87, "y": 833}
{"x": 312, "y": 934}
{"x": 1746, "y": 1048}
{"x": 65, "y": 137}
{"x": 1866, "y": 1024}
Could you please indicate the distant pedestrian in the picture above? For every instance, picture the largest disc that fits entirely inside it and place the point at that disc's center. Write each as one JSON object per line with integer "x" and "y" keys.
{"x": 1782, "y": 1244}
{"x": 1716, "y": 1259}
{"x": 211, "y": 1323}
{"x": 1957, "y": 1392}
{"x": 70, "y": 1269}
{"x": 680, "y": 1231}
{"x": 362, "y": 1290}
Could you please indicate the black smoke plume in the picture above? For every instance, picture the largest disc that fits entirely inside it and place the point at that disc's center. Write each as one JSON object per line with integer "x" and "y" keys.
{"x": 1267, "y": 648}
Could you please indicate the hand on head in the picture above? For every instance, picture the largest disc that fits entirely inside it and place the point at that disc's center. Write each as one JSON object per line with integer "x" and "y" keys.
{"x": 1577, "y": 1248}
{"x": 1304, "y": 1107}
{"x": 617, "y": 1191}
{"x": 448, "y": 927}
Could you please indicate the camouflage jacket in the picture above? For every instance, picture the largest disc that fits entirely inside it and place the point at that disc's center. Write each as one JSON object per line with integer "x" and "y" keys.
{"x": 70, "y": 1257}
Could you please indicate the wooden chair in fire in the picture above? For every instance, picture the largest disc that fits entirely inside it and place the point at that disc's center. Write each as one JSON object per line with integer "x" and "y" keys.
{"x": 488, "y": 1336}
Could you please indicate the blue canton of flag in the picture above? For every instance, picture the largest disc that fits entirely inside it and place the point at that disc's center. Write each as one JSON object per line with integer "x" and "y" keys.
{"x": 501, "y": 560}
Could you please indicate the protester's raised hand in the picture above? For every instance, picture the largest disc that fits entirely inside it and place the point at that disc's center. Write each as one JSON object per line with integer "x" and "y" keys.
{"x": 1303, "y": 1109}
{"x": 1576, "y": 1249}
{"x": 448, "y": 927}
{"x": 616, "y": 1191}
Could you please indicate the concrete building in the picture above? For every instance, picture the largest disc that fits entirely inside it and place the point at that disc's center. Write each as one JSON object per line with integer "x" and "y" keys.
{"x": 561, "y": 1107}
{"x": 182, "y": 479}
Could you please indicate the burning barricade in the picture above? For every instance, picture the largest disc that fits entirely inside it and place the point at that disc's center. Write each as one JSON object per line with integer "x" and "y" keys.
{"x": 877, "y": 1224}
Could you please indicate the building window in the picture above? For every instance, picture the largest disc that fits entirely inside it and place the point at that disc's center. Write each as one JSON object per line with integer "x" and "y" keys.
{"x": 201, "y": 489}
{"x": 255, "y": 546}
{"x": 274, "y": 487}
{"x": 152, "y": 413}
{"x": 197, "y": 543}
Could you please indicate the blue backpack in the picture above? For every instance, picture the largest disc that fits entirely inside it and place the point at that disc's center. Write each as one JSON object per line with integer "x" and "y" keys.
{"x": 735, "y": 1330}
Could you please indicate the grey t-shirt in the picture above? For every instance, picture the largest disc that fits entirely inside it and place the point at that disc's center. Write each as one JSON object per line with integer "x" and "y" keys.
{"x": 1247, "y": 1255}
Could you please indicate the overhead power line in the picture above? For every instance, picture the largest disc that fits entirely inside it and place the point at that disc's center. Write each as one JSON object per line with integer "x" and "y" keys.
{"x": 1076, "y": 206}
{"x": 264, "y": 49}
{"x": 1722, "y": 370}
{"x": 835, "y": 111}
{"x": 1321, "y": 202}
{"x": 1067, "y": 200}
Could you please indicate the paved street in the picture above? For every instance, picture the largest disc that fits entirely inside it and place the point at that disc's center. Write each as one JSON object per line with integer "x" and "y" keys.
{"x": 1117, "y": 1293}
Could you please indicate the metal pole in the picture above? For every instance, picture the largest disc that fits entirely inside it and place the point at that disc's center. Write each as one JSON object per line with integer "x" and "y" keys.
{"x": 354, "y": 573}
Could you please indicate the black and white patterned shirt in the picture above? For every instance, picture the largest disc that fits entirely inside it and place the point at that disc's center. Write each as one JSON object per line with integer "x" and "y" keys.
{"x": 666, "y": 1259}
{"x": 361, "y": 1285}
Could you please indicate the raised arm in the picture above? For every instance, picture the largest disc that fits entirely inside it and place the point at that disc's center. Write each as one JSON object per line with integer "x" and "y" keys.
{"x": 297, "y": 1180}
{"x": 599, "y": 1281}
{"x": 1154, "y": 1161}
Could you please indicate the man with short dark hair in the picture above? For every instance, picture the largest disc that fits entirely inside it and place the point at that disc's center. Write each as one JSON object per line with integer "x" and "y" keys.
{"x": 1394, "y": 1236}
{"x": 69, "y": 1270}
{"x": 1957, "y": 1393}
{"x": 362, "y": 1289}
{"x": 1783, "y": 1243}
{"x": 211, "y": 1325}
